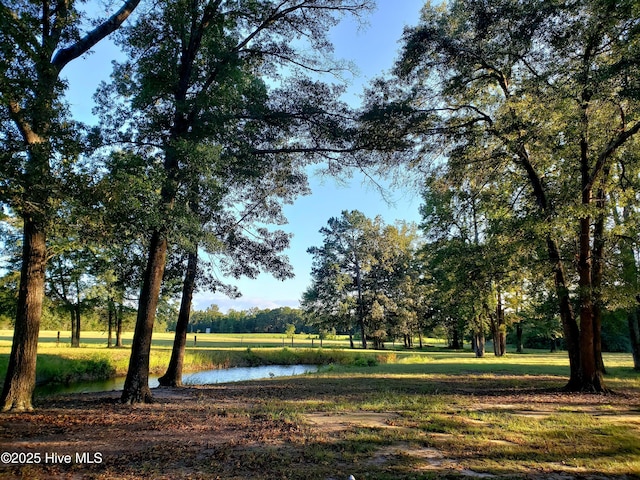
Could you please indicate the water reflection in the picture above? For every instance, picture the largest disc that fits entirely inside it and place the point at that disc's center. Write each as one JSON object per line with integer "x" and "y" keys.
{"x": 240, "y": 374}
{"x": 205, "y": 377}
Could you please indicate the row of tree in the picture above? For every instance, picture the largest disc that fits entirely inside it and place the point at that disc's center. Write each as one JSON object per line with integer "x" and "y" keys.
{"x": 381, "y": 283}
{"x": 521, "y": 117}
{"x": 247, "y": 321}
{"x": 366, "y": 278}
{"x": 519, "y": 121}
{"x": 205, "y": 130}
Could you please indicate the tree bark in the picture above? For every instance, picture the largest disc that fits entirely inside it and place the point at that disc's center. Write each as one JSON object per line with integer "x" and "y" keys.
{"x": 20, "y": 379}
{"x": 633, "y": 319}
{"x": 110, "y": 308}
{"x": 519, "y": 345}
{"x": 74, "y": 326}
{"x": 173, "y": 375}
{"x": 119, "y": 316}
{"x": 598, "y": 275}
{"x": 502, "y": 326}
{"x": 136, "y": 385}
{"x": 569, "y": 323}
{"x": 479, "y": 344}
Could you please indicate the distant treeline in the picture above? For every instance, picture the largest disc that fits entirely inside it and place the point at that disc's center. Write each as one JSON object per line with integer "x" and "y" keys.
{"x": 248, "y": 321}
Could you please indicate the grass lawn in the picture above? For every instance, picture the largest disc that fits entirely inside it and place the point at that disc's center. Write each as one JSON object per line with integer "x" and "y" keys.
{"x": 375, "y": 415}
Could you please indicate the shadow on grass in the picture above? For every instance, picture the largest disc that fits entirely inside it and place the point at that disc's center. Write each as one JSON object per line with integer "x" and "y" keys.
{"x": 445, "y": 426}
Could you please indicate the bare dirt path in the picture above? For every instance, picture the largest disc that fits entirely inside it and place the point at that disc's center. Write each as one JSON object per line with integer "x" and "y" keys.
{"x": 290, "y": 428}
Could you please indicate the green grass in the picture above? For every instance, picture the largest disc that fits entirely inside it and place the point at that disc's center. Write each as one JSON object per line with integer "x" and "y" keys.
{"x": 59, "y": 363}
{"x": 499, "y": 416}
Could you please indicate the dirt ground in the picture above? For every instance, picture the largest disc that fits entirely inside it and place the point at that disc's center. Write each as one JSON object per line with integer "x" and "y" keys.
{"x": 235, "y": 431}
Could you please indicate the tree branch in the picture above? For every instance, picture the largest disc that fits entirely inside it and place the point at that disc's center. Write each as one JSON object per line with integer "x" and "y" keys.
{"x": 82, "y": 46}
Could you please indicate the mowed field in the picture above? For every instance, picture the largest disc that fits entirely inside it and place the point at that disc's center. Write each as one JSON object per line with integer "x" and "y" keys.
{"x": 419, "y": 414}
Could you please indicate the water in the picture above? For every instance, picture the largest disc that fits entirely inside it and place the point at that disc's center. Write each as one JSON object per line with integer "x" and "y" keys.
{"x": 205, "y": 377}
{"x": 208, "y": 377}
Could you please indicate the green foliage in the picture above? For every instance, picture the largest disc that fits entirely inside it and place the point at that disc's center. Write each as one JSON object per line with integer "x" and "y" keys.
{"x": 249, "y": 321}
{"x": 365, "y": 279}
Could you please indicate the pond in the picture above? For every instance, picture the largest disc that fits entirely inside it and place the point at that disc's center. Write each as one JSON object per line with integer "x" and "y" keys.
{"x": 205, "y": 377}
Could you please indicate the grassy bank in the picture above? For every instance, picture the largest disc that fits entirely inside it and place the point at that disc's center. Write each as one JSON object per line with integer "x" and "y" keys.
{"x": 375, "y": 415}
{"x": 59, "y": 363}
{"x": 394, "y": 421}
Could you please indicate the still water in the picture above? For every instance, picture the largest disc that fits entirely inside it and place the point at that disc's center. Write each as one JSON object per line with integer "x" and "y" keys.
{"x": 205, "y": 377}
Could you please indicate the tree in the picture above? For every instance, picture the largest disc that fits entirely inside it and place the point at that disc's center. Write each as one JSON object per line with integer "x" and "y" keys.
{"x": 540, "y": 92}
{"x": 364, "y": 275}
{"x": 38, "y": 140}
{"x": 199, "y": 102}
{"x": 341, "y": 264}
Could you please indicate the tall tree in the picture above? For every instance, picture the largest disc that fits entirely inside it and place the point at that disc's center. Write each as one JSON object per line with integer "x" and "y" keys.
{"x": 38, "y": 40}
{"x": 541, "y": 91}
{"x": 196, "y": 78}
{"x": 342, "y": 263}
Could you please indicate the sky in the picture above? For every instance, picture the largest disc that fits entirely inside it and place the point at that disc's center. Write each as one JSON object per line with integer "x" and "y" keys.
{"x": 373, "y": 49}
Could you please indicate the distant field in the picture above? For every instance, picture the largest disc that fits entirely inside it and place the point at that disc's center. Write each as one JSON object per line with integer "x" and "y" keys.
{"x": 202, "y": 340}
{"x": 59, "y": 363}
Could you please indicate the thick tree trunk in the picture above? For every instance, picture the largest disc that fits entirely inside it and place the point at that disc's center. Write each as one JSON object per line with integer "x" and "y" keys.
{"x": 591, "y": 376}
{"x": 173, "y": 375}
{"x": 20, "y": 379}
{"x": 569, "y": 324}
{"x": 479, "y": 344}
{"x": 136, "y": 385}
{"x": 519, "y": 345}
{"x": 633, "y": 319}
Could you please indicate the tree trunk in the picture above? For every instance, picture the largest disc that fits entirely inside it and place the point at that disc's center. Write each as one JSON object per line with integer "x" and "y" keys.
{"x": 20, "y": 379}
{"x": 569, "y": 324}
{"x": 456, "y": 343}
{"x": 74, "y": 327}
{"x": 173, "y": 375}
{"x": 519, "y": 346}
{"x": 479, "y": 343}
{"x": 136, "y": 386}
{"x": 119, "y": 315}
{"x": 75, "y": 323}
{"x": 110, "y": 308}
{"x": 591, "y": 379}
{"x": 633, "y": 319}
{"x": 502, "y": 327}
{"x": 495, "y": 335}
{"x": 596, "y": 279}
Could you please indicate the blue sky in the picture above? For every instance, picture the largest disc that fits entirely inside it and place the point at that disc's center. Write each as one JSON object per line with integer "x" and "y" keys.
{"x": 373, "y": 49}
